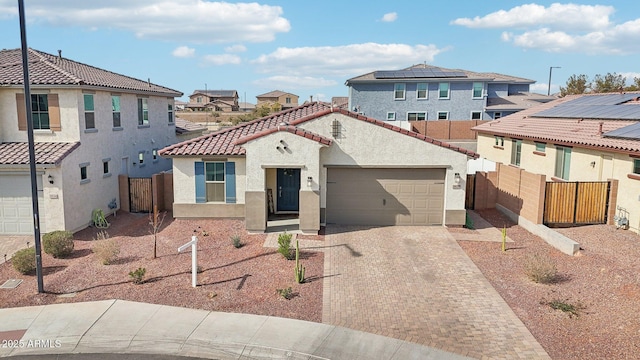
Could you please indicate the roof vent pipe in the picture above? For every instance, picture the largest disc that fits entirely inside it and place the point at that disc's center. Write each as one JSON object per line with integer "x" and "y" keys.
{"x": 60, "y": 54}
{"x": 600, "y": 127}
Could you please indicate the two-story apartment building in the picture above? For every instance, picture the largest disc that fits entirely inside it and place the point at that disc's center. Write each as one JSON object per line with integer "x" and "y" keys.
{"x": 285, "y": 99}
{"x": 424, "y": 92}
{"x": 90, "y": 125}
{"x": 213, "y": 100}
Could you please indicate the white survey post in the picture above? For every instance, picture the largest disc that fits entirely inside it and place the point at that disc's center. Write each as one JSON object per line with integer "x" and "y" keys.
{"x": 194, "y": 258}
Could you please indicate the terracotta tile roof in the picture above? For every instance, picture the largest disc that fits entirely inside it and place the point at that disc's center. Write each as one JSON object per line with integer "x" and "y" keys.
{"x": 47, "y": 153}
{"x": 288, "y": 128}
{"x": 215, "y": 93}
{"x": 47, "y": 69}
{"x": 470, "y": 76}
{"x": 274, "y": 93}
{"x": 184, "y": 127}
{"x": 225, "y": 142}
{"x": 582, "y": 132}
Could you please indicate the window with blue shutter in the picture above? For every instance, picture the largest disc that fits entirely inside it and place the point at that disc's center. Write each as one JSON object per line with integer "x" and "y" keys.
{"x": 230, "y": 182}
{"x": 201, "y": 190}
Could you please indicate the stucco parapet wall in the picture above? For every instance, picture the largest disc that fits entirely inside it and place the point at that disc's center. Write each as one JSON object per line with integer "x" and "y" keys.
{"x": 387, "y": 125}
{"x": 288, "y": 128}
{"x": 553, "y": 238}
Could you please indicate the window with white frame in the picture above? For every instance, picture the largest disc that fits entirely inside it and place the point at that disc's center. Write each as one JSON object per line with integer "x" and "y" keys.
{"x": 478, "y": 88}
{"x": 516, "y": 152}
{"x": 115, "y": 110}
{"x": 414, "y": 116}
{"x": 214, "y": 181}
{"x": 563, "y": 162}
{"x": 443, "y": 115}
{"x": 443, "y": 90}
{"x": 398, "y": 91}
{"x": 143, "y": 111}
{"x": 497, "y": 115}
{"x": 287, "y": 100}
{"x": 154, "y": 154}
{"x": 636, "y": 166}
{"x": 476, "y": 115}
{"x": 141, "y": 158}
{"x": 540, "y": 147}
{"x": 499, "y": 141}
{"x": 391, "y": 116}
{"x": 170, "y": 113}
{"x": 89, "y": 113}
{"x": 421, "y": 91}
{"x": 105, "y": 166}
{"x": 84, "y": 173}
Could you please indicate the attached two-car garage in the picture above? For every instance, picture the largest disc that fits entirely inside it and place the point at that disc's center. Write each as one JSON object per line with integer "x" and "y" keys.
{"x": 15, "y": 204}
{"x": 374, "y": 196}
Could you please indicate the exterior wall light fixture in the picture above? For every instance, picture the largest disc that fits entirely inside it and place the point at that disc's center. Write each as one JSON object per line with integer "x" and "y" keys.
{"x": 50, "y": 178}
{"x": 309, "y": 181}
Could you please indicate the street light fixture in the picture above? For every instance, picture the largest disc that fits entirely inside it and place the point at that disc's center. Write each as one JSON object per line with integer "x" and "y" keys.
{"x": 550, "y": 70}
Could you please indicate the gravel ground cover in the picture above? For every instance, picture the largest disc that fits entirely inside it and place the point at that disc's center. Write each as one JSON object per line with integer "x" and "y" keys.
{"x": 601, "y": 283}
{"x": 233, "y": 279}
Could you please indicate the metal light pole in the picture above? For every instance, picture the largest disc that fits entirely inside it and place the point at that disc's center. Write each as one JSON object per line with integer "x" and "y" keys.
{"x": 32, "y": 152}
{"x": 550, "y": 70}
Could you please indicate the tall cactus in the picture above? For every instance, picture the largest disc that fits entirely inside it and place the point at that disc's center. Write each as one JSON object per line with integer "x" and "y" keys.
{"x": 299, "y": 270}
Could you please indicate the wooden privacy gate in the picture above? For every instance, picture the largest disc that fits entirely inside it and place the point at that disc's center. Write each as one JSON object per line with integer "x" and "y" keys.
{"x": 140, "y": 195}
{"x": 579, "y": 203}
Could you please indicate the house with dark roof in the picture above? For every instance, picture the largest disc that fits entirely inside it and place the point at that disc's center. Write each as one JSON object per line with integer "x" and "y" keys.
{"x": 321, "y": 165}
{"x": 213, "y": 100}
{"x": 425, "y": 93}
{"x": 591, "y": 137}
{"x": 90, "y": 125}
{"x": 285, "y": 99}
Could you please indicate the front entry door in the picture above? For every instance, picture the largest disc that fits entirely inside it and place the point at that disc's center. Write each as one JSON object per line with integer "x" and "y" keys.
{"x": 288, "y": 189}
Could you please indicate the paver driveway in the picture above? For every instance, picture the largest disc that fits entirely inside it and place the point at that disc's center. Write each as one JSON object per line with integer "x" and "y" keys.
{"x": 417, "y": 284}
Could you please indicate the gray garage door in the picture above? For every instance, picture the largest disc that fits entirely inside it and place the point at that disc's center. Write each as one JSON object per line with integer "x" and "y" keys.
{"x": 15, "y": 205}
{"x": 385, "y": 196}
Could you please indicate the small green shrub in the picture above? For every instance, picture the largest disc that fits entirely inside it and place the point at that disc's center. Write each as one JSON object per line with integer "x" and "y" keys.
{"x": 285, "y": 293}
{"x": 565, "y": 306}
{"x": 137, "y": 276}
{"x": 106, "y": 250}
{"x": 540, "y": 269}
{"x": 284, "y": 245}
{"x": 24, "y": 261}
{"x": 101, "y": 235}
{"x": 58, "y": 244}
{"x": 237, "y": 242}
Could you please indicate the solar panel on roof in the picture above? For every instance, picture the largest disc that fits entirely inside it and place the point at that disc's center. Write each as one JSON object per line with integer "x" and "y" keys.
{"x": 624, "y": 112}
{"x": 605, "y": 99}
{"x": 418, "y": 73}
{"x": 627, "y": 132}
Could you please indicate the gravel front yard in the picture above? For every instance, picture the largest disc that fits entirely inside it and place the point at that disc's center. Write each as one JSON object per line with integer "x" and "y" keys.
{"x": 232, "y": 280}
{"x": 602, "y": 283}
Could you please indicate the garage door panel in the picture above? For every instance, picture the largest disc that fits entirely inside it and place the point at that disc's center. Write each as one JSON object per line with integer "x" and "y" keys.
{"x": 385, "y": 196}
{"x": 15, "y": 205}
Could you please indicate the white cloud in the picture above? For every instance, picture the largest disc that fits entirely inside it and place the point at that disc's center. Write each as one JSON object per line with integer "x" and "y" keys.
{"x": 235, "y": 48}
{"x": 562, "y": 28}
{"x": 390, "y": 17}
{"x": 198, "y": 21}
{"x": 347, "y": 60}
{"x": 562, "y": 16}
{"x": 222, "y": 59}
{"x": 629, "y": 76}
{"x": 294, "y": 82}
{"x": 183, "y": 52}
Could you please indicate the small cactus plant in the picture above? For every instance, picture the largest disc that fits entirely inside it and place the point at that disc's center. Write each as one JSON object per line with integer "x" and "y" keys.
{"x": 504, "y": 238}
{"x": 299, "y": 270}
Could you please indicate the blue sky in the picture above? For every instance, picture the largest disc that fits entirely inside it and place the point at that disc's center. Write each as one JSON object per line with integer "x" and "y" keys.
{"x": 311, "y": 48}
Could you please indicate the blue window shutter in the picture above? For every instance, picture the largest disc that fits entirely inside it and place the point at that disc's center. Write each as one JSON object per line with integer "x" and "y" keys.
{"x": 201, "y": 189}
{"x": 230, "y": 182}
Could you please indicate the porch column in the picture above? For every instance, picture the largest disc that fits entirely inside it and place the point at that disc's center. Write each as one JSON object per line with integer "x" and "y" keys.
{"x": 255, "y": 211}
{"x": 309, "y": 212}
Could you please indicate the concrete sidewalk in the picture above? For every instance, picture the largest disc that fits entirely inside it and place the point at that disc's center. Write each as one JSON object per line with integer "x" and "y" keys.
{"x": 118, "y": 326}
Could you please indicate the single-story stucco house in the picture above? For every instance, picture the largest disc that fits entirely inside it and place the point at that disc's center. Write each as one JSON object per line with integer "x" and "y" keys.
{"x": 325, "y": 164}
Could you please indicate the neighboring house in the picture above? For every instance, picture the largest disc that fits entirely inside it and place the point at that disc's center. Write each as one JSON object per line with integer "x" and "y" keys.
{"x": 576, "y": 138}
{"x": 325, "y": 164}
{"x": 180, "y": 105}
{"x": 186, "y": 130}
{"x": 425, "y": 92}
{"x": 341, "y": 102}
{"x": 90, "y": 125}
{"x": 247, "y": 107}
{"x": 285, "y": 99}
{"x": 213, "y": 100}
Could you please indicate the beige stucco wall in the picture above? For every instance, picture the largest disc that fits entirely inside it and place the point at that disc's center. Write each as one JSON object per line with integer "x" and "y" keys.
{"x": 607, "y": 165}
{"x": 367, "y": 145}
